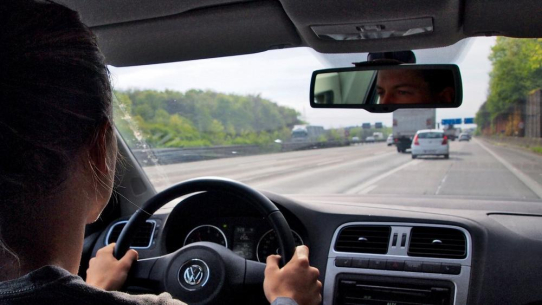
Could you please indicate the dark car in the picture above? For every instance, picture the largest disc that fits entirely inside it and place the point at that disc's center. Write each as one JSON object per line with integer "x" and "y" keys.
{"x": 464, "y": 137}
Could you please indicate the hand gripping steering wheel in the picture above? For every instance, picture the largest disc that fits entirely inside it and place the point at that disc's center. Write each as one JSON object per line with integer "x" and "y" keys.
{"x": 203, "y": 272}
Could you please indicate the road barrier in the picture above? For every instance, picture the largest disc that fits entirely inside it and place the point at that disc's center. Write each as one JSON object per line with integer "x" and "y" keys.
{"x": 293, "y": 146}
{"x": 525, "y": 142}
{"x": 165, "y": 156}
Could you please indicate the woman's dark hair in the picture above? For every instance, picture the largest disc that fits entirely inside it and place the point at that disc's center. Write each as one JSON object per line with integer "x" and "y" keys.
{"x": 55, "y": 94}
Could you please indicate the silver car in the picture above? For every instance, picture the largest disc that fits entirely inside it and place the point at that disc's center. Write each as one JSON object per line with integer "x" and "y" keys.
{"x": 464, "y": 137}
{"x": 430, "y": 142}
{"x": 389, "y": 141}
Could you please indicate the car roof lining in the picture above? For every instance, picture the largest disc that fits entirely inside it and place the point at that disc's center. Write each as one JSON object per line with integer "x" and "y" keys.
{"x": 227, "y": 30}
{"x": 141, "y": 32}
{"x": 107, "y": 12}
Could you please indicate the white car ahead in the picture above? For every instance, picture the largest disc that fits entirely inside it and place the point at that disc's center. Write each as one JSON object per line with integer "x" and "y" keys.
{"x": 389, "y": 141}
{"x": 430, "y": 142}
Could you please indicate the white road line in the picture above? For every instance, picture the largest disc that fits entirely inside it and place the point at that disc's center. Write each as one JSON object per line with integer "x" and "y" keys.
{"x": 295, "y": 176}
{"x": 380, "y": 153}
{"x": 368, "y": 189}
{"x": 528, "y": 181}
{"x": 362, "y": 187}
{"x": 441, "y": 184}
{"x": 329, "y": 162}
{"x": 446, "y": 175}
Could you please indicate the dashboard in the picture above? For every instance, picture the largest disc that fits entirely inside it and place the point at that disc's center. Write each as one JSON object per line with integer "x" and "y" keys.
{"x": 485, "y": 252}
{"x": 226, "y": 220}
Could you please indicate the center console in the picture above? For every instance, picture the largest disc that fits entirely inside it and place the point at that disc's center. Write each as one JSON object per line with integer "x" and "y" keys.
{"x": 398, "y": 263}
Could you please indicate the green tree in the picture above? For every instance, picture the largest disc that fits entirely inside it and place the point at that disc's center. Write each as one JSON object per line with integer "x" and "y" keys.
{"x": 517, "y": 69}
{"x": 201, "y": 118}
{"x": 144, "y": 111}
{"x": 161, "y": 116}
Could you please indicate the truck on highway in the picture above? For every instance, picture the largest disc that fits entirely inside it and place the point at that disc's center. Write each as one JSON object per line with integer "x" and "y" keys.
{"x": 406, "y": 122}
{"x": 306, "y": 133}
{"x": 379, "y": 136}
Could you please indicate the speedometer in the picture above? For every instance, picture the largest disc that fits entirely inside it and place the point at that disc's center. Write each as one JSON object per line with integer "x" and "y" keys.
{"x": 269, "y": 244}
{"x": 206, "y": 233}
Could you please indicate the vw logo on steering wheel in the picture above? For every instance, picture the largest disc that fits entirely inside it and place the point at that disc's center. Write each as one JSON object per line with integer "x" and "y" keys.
{"x": 193, "y": 274}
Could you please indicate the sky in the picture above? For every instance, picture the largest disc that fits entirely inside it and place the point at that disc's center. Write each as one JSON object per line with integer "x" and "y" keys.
{"x": 283, "y": 76}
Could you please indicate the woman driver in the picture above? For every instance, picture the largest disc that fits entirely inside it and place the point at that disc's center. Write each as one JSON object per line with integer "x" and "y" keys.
{"x": 57, "y": 164}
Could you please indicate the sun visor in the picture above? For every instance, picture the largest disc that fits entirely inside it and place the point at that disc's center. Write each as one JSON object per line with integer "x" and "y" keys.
{"x": 235, "y": 29}
{"x": 520, "y": 18}
{"x": 104, "y": 12}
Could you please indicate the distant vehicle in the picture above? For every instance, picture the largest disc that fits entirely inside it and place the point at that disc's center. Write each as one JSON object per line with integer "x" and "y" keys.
{"x": 406, "y": 122}
{"x": 355, "y": 139}
{"x": 464, "y": 137}
{"x": 452, "y": 132}
{"x": 430, "y": 142}
{"x": 389, "y": 141}
{"x": 469, "y": 131}
{"x": 370, "y": 139}
{"x": 379, "y": 136}
{"x": 306, "y": 133}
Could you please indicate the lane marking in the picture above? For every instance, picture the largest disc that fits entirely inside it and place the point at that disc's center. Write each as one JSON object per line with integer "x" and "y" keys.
{"x": 528, "y": 181}
{"x": 362, "y": 187}
{"x": 329, "y": 162}
{"x": 380, "y": 153}
{"x": 448, "y": 171}
{"x": 309, "y": 172}
{"x": 368, "y": 189}
{"x": 442, "y": 182}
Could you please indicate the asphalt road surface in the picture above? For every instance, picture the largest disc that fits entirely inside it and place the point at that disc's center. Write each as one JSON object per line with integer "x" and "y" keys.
{"x": 475, "y": 169}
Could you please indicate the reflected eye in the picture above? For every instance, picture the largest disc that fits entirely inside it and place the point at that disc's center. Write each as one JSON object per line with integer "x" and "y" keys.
{"x": 402, "y": 92}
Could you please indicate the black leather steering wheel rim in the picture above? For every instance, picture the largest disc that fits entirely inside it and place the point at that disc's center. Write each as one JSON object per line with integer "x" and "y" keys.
{"x": 266, "y": 208}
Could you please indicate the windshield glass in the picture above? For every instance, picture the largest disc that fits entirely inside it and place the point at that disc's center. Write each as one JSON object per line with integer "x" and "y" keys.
{"x": 248, "y": 118}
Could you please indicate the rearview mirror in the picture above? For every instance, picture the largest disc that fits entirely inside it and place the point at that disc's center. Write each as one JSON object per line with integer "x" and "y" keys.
{"x": 387, "y": 88}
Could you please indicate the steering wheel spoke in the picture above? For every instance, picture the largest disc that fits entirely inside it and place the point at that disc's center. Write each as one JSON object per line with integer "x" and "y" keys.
{"x": 144, "y": 274}
{"x": 254, "y": 274}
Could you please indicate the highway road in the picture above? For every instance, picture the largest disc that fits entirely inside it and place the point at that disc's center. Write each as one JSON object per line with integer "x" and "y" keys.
{"x": 475, "y": 169}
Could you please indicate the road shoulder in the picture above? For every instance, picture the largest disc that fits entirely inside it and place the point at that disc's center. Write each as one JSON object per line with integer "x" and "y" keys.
{"x": 531, "y": 183}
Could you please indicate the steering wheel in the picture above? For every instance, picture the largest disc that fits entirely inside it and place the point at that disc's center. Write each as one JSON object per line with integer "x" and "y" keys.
{"x": 204, "y": 272}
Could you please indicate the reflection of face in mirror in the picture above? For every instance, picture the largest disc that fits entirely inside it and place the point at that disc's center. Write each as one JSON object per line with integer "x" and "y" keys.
{"x": 415, "y": 86}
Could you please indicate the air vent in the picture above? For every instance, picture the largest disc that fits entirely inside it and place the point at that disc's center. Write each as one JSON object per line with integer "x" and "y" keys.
{"x": 363, "y": 239}
{"x": 143, "y": 238}
{"x": 437, "y": 242}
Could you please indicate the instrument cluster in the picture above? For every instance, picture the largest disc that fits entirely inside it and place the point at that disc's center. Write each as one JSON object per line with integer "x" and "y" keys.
{"x": 249, "y": 238}
{"x": 228, "y": 221}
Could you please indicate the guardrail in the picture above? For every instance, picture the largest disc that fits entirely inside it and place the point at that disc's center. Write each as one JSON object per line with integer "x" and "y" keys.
{"x": 164, "y": 156}
{"x": 517, "y": 141}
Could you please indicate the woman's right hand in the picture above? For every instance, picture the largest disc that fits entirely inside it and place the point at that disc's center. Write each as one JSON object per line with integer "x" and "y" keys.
{"x": 297, "y": 280}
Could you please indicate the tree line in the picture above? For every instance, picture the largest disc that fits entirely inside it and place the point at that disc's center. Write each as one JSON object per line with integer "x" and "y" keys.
{"x": 199, "y": 118}
{"x": 516, "y": 71}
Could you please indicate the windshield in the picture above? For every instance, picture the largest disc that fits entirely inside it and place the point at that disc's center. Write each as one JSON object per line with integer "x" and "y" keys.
{"x": 248, "y": 118}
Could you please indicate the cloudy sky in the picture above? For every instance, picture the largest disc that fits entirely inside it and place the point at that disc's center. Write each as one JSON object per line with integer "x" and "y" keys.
{"x": 283, "y": 76}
